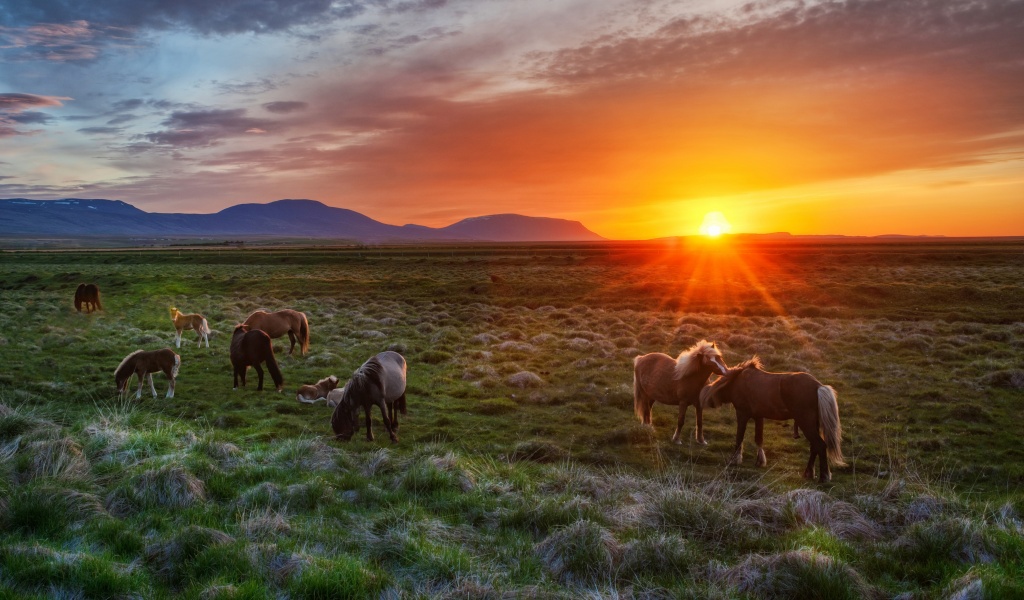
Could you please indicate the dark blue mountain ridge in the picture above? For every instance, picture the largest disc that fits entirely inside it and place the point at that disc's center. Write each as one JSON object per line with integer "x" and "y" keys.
{"x": 78, "y": 217}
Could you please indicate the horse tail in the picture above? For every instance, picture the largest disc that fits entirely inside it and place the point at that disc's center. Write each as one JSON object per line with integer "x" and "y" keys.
{"x": 177, "y": 365}
{"x": 304, "y": 333}
{"x": 400, "y": 404}
{"x": 205, "y": 327}
{"x": 828, "y": 417}
{"x": 275, "y": 371}
{"x": 99, "y": 305}
{"x": 641, "y": 404}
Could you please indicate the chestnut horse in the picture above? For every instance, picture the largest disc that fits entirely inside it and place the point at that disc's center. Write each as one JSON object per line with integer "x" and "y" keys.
{"x": 310, "y": 394}
{"x": 759, "y": 395}
{"x": 658, "y": 377}
{"x": 281, "y": 322}
{"x": 250, "y": 348}
{"x": 144, "y": 364}
{"x": 88, "y": 294}
{"x": 195, "y": 322}
{"x": 379, "y": 381}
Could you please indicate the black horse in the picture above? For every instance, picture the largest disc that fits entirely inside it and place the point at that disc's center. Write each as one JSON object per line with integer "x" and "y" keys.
{"x": 759, "y": 395}
{"x": 88, "y": 295}
{"x": 252, "y": 348}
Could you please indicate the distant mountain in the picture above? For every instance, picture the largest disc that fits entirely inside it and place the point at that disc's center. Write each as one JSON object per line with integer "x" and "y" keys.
{"x": 77, "y": 217}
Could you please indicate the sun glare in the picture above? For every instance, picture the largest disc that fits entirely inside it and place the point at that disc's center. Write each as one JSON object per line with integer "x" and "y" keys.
{"x": 714, "y": 224}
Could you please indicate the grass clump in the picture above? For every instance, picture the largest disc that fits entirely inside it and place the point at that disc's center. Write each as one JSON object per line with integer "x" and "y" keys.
{"x": 583, "y": 553}
{"x": 796, "y": 575}
{"x": 41, "y": 570}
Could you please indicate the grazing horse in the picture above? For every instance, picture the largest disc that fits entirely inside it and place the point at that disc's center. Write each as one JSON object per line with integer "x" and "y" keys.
{"x": 144, "y": 364}
{"x": 658, "y": 377}
{"x": 195, "y": 322}
{"x": 381, "y": 381}
{"x": 250, "y": 348}
{"x": 759, "y": 395}
{"x": 88, "y": 294}
{"x": 310, "y": 394}
{"x": 281, "y": 322}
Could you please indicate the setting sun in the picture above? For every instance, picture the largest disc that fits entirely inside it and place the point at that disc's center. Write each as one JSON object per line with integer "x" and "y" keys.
{"x": 714, "y": 224}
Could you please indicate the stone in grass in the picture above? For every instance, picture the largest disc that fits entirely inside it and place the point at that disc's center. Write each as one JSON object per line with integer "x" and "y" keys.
{"x": 525, "y": 379}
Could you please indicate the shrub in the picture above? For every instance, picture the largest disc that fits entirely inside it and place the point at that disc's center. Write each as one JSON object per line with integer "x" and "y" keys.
{"x": 581, "y": 553}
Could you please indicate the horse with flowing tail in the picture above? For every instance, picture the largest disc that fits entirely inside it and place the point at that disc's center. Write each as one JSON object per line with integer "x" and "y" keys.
{"x": 658, "y": 377}
{"x": 88, "y": 295}
{"x": 195, "y": 322}
{"x": 310, "y": 394}
{"x": 250, "y": 348}
{"x": 759, "y": 395}
{"x": 278, "y": 323}
{"x": 379, "y": 381}
{"x": 144, "y": 364}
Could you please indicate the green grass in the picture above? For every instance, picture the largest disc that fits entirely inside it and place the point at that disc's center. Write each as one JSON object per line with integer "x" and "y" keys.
{"x": 521, "y": 467}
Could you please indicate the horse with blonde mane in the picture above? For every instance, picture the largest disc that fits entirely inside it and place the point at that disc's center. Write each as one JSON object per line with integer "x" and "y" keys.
{"x": 280, "y": 322}
{"x": 658, "y": 377}
{"x": 144, "y": 364}
{"x": 88, "y": 295}
{"x": 759, "y": 395}
{"x": 195, "y": 322}
{"x": 310, "y": 394}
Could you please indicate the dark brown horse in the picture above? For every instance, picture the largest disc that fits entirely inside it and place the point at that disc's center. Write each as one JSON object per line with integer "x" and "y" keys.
{"x": 759, "y": 395}
{"x": 88, "y": 295}
{"x": 281, "y": 322}
{"x": 250, "y": 348}
{"x": 144, "y": 364}
{"x": 658, "y": 377}
{"x": 379, "y": 381}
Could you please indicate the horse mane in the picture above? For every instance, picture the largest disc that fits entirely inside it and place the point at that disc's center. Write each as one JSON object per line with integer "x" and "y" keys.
{"x": 369, "y": 374}
{"x": 754, "y": 362}
{"x": 689, "y": 359}
{"x": 127, "y": 363}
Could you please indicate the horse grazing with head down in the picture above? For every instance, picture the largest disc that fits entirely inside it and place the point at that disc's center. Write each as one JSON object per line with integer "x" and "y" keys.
{"x": 310, "y": 394}
{"x": 278, "y": 323}
{"x": 759, "y": 395}
{"x": 379, "y": 381}
{"x": 88, "y": 295}
{"x": 658, "y": 377}
{"x": 195, "y": 322}
{"x": 144, "y": 364}
{"x": 250, "y": 348}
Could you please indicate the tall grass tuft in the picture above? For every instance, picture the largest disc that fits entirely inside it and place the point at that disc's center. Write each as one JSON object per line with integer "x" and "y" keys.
{"x": 797, "y": 574}
{"x": 583, "y": 553}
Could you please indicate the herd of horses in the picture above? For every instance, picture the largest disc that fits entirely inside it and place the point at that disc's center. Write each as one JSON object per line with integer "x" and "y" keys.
{"x": 682, "y": 381}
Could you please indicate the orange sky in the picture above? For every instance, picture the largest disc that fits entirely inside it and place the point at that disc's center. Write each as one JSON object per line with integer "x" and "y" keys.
{"x": 856, "y": 117}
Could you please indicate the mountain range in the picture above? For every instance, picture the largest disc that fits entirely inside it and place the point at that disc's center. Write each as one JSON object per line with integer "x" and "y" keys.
{"x": 77, "y": 217}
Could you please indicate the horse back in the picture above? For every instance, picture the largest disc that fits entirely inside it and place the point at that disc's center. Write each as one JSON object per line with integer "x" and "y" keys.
{"x": 393, "y": 376}
{"x": 655, "y": 372}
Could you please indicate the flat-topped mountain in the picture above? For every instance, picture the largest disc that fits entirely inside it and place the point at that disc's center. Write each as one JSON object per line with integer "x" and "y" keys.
{"x": 79, "y": 217}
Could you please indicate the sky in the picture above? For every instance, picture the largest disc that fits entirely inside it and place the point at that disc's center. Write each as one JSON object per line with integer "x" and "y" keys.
{"x": 636, "y": 117}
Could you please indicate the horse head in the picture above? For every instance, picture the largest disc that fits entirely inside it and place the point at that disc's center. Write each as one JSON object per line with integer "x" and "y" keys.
{"x": 712, "y": 359}
{"x": 345, "y": 420}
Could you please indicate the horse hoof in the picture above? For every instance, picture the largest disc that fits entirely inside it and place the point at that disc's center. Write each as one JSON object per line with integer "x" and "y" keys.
{"x": 677, "y": 441}
{"x": 702, "y": 442}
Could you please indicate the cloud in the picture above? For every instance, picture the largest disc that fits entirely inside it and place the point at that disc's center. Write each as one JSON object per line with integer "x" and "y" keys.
{"x": 194, "y": 129}
{"x": 74, "y": 41}
{"x": 15, "y": 110}
{"x": 202, "y": 16}
{"x": 101, "y": 130}
{"x": 285, "y": 106}
{"x": 247, "y": 88}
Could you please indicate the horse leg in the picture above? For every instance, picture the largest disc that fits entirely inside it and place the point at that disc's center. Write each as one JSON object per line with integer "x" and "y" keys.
{"x": 259, "y": 374}
{"x": 677, "y": 437}
{"x": 759, "y": 440}
{"x": 393, "y": 415}
{"x": 170, "y": 386}
{"x": 699, "y": 432}
{"x": 741, "y": 430}
{"x": 387, "y": 422}
{"x": 152, "y": 387}
{"x": 369, "y": 431}
{"x": 142, "y": 381}
{"x": 796, "y": 430}
{"x": 177, "y": 338}
{"x": 807, "y": 425}
{"x": 292, "y": 339}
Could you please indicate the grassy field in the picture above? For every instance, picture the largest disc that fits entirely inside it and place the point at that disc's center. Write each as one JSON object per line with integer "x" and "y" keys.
{"x": 521, "y": 469}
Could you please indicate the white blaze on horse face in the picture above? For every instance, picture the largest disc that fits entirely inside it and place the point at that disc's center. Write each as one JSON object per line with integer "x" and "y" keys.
{"x": 719, "y": 367}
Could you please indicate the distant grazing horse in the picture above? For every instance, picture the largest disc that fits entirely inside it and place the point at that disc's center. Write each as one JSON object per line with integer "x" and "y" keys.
{"x": 144, "y": 364}
{"x": 318, "y": 391}
{"x": 195, "y": 322}
{"x": 281, "y": 322}
{"x": 380, "y": 381}
{"x": 759, "y": 395}
{"x": 658, "y": 377}
{"x": 250, "y": 348}
{"x": 88, "y": 294}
